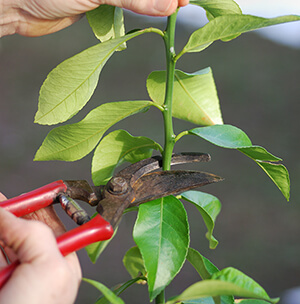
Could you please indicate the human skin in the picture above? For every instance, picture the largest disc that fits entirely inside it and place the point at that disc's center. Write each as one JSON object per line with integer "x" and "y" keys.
{"x": 41, "y": 17}
{"x": 44, "y": 275}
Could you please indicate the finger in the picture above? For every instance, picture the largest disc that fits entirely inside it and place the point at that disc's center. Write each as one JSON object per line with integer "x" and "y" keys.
{"x": 13, "y": 232}
{"x": 46, "y": 215}
{"x": 3, "y": 258}
{"x": 147, "y": 7}
{"x": 6, "y": 253}
{"x": 33, "y": 27}
{"x": 2, "y": 197}
{"x": 34, "y": 23}
{"x": 39, "y": 238}
{"x": 40, "y": 262}
{"x": 183, "y": 3}
{"x": 49, "y": 217}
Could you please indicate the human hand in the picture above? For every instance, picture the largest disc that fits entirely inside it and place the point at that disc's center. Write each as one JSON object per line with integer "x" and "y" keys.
{"x": 41, "y": 17}
{"x": 44, "y": 275}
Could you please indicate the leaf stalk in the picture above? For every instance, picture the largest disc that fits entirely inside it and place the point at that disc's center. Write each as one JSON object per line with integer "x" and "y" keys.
{"x": 181, "y": 135}
{"x": 160, "y": 299}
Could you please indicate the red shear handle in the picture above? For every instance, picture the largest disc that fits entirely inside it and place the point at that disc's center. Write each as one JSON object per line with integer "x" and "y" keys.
{"x": 34, "y": 200}
{"x": 97, "y": 229}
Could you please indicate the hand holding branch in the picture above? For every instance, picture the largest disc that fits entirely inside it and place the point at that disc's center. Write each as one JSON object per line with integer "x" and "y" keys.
{"x": 41, "y": 17}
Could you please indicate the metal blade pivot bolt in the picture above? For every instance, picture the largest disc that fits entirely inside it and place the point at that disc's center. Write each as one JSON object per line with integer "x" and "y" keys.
{"x": 118, "y": 185}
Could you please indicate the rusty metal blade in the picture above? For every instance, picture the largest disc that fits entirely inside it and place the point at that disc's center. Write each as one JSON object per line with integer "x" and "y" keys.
{"x": 159, "y": 184}
{"x": 135, "y": 171}
{"x": 81, "y": 190}
{"x": 138, "y": 183}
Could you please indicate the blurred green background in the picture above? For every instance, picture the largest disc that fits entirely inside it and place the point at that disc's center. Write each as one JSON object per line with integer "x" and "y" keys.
{"x": 258, "y": 86}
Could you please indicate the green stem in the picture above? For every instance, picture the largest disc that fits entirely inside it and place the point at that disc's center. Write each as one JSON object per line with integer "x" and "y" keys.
{"x": 169, "y": 39}
{"x": 160, "y": 299}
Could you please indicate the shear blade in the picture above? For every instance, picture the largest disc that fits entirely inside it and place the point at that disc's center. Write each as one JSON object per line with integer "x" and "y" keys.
{"x": 145, "y": 166}
{"x": 80, "y": 189}
{"x": 159, "y": 184}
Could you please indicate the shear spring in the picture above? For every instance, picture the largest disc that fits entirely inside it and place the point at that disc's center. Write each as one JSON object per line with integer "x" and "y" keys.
{"x": 74, "y": 211}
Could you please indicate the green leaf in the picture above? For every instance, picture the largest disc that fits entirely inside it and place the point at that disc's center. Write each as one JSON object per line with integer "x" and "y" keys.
{"x": 251, "y": 301}
{"x": 94, "y": 250}
{"x": 72, "y": 142}
{"x": 195, "y": 97}
{"x": 231, "y": 137}
{"x": 216, "y": 8}
{"x": 107, "y": 22}
{"x": 116, "y": 148}
{"x": 279, "y": 175}
{"x": 227, "y": 26}
{"x": 228, "y": 281}
{"x": 134, "y": 263}
{"x": 118, "y": 290}
{"x": 205, "y": 269}
{"x": 203, "y": 266}
{"x": 162, "y": 234}
{"x": 209, "y": 207}
{"x": 209, "y": 300}
{"x": 107, "y": 293}
{"x": 243, "y": 281}
{"x": 259, "y": 153}
{"x": 225, "y": 136}
{"x": 277, "y": 172}
{"x": 71, "y": 84}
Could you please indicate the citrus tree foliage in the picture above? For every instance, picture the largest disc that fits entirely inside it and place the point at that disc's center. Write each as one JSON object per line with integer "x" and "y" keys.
{"x": 161, "y": 231}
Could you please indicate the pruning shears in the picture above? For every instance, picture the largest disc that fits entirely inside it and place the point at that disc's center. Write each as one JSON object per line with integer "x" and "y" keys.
{"x": 132, "y": 186}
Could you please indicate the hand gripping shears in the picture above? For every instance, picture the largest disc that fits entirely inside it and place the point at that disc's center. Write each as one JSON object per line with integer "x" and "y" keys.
{"x": 132, "y": 186}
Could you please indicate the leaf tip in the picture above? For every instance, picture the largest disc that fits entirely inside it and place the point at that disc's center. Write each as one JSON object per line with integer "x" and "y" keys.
{"x": 275, "y": 300}
{"x": 36, "y": 157}
{"x": 36, "y": 118}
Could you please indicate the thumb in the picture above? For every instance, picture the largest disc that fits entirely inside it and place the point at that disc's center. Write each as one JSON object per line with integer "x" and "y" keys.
{"x": 21, "y": 236}
{"x": 2, "y": 197}
{"x": 48, "y": 216}
{"x": 43, "y": 273}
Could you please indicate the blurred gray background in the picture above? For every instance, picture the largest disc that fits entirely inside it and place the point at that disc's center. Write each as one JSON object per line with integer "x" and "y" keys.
{"x": 258, "y": 86}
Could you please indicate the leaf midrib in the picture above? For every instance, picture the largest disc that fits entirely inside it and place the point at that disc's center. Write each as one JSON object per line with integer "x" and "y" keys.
{"x": 84, "y": 81}
{"x": 193, "y": 100}
{"x": 99, "y": 131}
{"x": 90, "y": 75}
{"x": 187, "y": 48}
